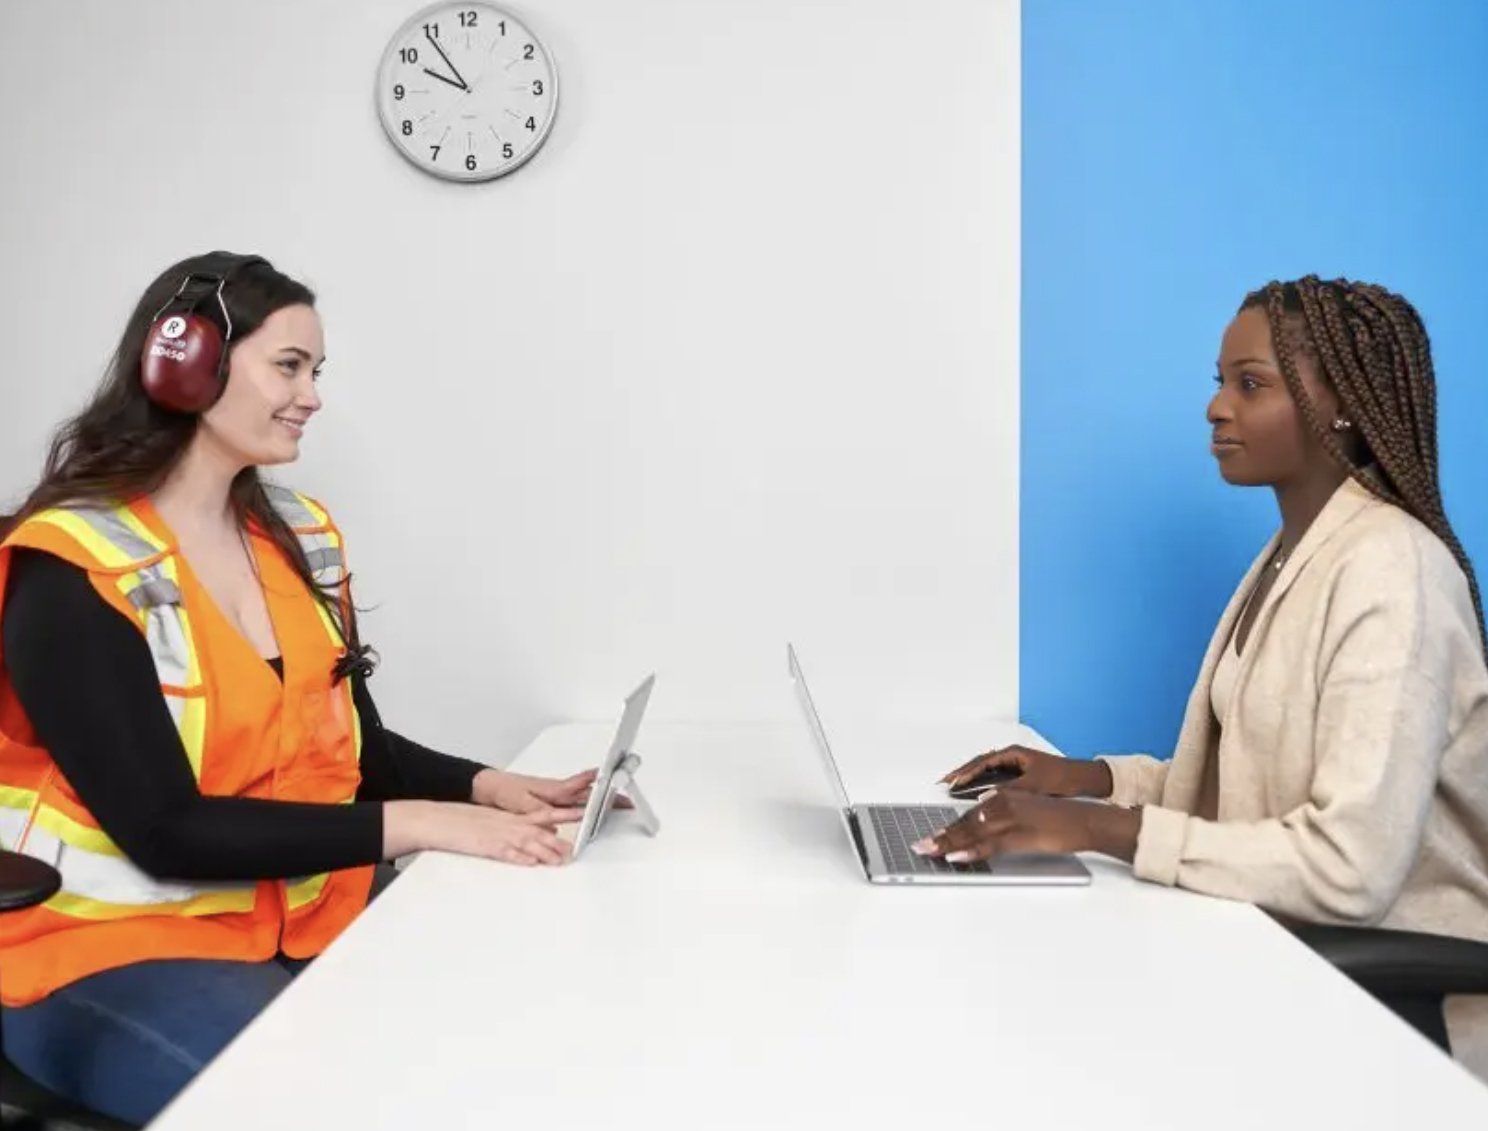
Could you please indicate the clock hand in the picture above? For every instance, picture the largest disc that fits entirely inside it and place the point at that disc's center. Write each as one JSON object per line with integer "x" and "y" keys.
{"x": 442, "y": 78}
{"x": 435, "y": 44}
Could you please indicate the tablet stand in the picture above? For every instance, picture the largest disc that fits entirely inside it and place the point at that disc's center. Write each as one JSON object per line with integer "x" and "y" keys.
{"x": 624, "y": 779}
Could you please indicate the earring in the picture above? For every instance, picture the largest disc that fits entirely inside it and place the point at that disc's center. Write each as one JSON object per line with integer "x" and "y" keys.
{"x": 1342, "y": 425}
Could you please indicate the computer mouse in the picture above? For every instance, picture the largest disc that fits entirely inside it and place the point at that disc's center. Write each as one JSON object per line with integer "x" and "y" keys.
{"x": 973, "y": 788}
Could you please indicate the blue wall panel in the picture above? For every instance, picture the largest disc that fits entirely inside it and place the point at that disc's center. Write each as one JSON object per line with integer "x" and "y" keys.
{"x": 1176, "y": 155}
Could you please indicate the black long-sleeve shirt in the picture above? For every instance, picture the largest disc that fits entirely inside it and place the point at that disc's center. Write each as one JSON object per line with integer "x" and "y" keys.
{"x": 87, "y": 682}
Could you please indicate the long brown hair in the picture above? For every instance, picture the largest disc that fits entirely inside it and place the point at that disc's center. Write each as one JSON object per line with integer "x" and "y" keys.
{"x": 123, "y": 446}
{"x": 1370, "y": 345}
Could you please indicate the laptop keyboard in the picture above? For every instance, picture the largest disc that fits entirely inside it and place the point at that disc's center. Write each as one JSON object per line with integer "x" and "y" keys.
{"x": 899, "y": 826}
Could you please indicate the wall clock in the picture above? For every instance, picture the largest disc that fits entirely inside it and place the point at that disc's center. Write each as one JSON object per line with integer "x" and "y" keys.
{"x": 466, "y": 91}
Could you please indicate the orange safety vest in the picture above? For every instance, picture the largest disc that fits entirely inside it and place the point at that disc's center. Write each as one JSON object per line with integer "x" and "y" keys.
{"x": 244, "y": 732}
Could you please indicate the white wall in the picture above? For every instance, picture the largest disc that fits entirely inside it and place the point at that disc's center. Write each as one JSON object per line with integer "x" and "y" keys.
{"x": 735, "y": 357}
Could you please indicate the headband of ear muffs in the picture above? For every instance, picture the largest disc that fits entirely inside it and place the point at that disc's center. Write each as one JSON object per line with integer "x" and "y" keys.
{"x": 183, "y": 366}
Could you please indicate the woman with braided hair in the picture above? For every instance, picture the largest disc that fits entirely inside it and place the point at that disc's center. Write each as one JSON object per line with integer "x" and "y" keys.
{"x": 1332, "y": 765}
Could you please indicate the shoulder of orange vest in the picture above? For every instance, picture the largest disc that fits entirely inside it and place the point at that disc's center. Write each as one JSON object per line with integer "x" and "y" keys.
{"x": 300, "y": 513}
{"x": 312, "y": 527}
{"x": 113, "y": 540}
{"x": 109, "y": 540}
{"x": 112, "y": 536}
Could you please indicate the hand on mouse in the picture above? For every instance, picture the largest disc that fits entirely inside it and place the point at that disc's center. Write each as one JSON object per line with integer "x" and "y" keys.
{"x": 1038, "y": 772}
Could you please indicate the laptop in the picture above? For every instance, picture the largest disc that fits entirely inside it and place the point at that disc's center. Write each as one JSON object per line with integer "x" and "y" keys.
{"x": 881, "y": 834}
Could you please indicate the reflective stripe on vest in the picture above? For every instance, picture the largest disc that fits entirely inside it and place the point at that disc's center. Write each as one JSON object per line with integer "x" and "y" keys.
{"x": 311, "y": 527}
{"x": 299, "y": 892}
{"x": 99, "y": 881}
{"x": 118, "y": 540}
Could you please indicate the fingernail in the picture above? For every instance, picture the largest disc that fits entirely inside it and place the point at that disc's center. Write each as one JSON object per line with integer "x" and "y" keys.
{"x": 922, "y": 847}
{"x": 958, "y": 858}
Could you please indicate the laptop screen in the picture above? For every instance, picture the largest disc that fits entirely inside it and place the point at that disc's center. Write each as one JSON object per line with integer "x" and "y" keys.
{"x": 813, "y": 723}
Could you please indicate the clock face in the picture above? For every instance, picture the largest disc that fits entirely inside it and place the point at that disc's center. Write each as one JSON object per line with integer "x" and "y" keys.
{"x": 466, "y": 91}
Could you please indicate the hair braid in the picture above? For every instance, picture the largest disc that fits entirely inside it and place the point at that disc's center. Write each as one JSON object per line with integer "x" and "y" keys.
{"x": 1364, "y": 385}
{"x": 1371, "y": 346}
{"x": 1420, "y": 391}
{"x": 1372, "y": 333}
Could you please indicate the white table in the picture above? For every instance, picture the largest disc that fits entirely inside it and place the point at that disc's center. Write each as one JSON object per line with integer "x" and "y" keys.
{"x": 737, "y": 971}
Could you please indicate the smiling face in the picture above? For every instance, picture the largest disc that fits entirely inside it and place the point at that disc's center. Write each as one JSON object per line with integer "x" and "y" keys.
{"x": 1259, "y": 435}
{"x": 270, "y": 394}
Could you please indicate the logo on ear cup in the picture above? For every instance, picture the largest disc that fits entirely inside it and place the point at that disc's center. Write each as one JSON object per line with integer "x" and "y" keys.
{"x": 174, "y": 327}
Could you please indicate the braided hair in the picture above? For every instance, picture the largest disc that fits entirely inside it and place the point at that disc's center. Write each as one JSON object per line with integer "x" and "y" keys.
{"x": 1370, "y": 345}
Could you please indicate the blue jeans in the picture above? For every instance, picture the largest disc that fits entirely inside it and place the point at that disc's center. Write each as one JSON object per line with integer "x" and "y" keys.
{"x": 125, "y": 1041}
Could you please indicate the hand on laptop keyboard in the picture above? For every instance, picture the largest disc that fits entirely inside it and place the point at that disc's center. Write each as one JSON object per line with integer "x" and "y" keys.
{"x": 1014, "y": 821}
{"x": 896, "y": 827}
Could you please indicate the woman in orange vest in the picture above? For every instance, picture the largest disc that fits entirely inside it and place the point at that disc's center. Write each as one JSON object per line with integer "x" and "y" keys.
{"x": 185, "y": 728}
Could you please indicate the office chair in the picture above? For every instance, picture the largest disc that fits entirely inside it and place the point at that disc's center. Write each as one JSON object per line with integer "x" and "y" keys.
{"x": 24, "y": 1104}
{"x": 1407, "y": 972}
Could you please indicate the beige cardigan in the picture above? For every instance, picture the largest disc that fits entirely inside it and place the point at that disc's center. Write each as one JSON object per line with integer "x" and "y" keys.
{"x": 1353, "y": 758}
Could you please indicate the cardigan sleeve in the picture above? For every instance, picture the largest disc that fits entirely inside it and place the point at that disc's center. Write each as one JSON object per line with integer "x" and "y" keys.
{"x": 1396, "y": 629}
{"x": 1136, "y": 779}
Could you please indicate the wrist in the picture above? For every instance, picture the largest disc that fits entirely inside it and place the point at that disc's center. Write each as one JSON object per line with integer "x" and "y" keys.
{"x": 408, "y": 826}
{"x": 1096, "y": 780}
{"x": 485, "y": 786}
{"x": 1113, "y": 831}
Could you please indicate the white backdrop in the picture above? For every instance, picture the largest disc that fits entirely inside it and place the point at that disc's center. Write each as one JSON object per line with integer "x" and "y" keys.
{"x": 734, "y": 358}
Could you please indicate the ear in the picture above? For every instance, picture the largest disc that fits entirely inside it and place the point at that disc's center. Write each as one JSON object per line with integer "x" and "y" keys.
{"x": 1340, "y": 424}
{"x": 1319, "y": 391}
{"x": 1325, "y": 401}
{"x": 1328, "y": 408}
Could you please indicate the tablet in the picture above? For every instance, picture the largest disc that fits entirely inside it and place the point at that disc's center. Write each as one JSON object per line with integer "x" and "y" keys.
{"x": 613, "y": 770}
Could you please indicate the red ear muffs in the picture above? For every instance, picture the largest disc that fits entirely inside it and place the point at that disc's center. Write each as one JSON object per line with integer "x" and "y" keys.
{"x": 181, "y": 366}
